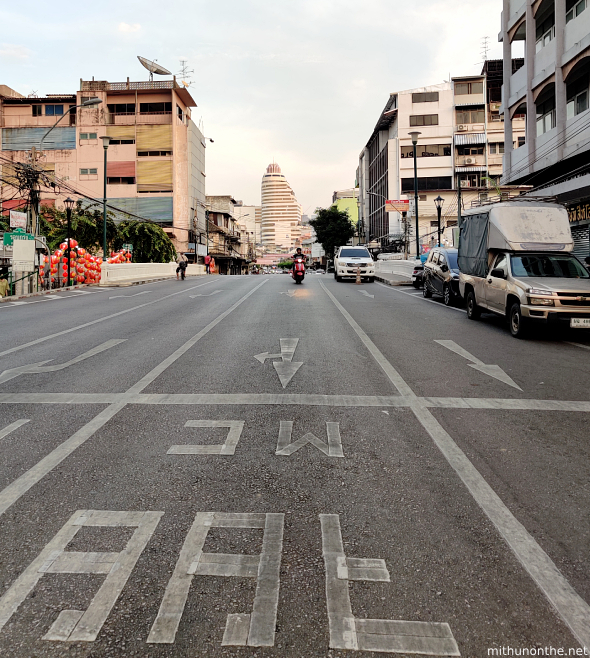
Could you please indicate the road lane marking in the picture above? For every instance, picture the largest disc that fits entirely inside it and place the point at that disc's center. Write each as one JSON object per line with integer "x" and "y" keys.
{"x": 209, "y": 295}
{"x": 13, "y": 426}
{"x": 430, "y": 301}
{"x": 570, "y": 606}
{"x": 332, "y": 449}
{"x": 491, "y": 370}
{"x": 228, "y": 447}
{"x": 286, "y": 368}
{"x": 584, "y": 347}
{"x": 297, "y": 399}
{"x": 102, "y": 319}
{"x": 385, "y": 635}
{"x": 75, "y": 625}
{"x": 10, "y": 494}
{"x": 36, "y": 368}
{"x": 366, "y": 294}
{"x": 143, "y": 292}
{"x": 255, "y": 629}
{"x": 291, "y": 293}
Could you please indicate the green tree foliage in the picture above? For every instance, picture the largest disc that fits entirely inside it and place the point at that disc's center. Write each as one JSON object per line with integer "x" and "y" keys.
{"x": 86, "y": 227}
{"x": 333, "y": 228}
{"x": 3, "y": 225}
{"x": 150, "y": 242}
{"x": 285, "y": 264}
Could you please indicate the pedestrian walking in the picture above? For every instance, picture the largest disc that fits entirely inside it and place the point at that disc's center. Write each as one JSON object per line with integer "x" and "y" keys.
{"x": 207, "y": 263}
{"x": 181, "y": 269}
{"x": 212, "y": 266}
{"x": 3, "y": 286}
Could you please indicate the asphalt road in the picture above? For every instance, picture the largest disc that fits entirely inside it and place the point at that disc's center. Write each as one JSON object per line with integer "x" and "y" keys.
{"x": 239, "y": 466}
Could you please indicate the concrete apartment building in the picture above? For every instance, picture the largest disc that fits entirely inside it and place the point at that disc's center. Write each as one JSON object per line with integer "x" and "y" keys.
{"x": 249, "y": 221}
{"x": 551, "y": 89}
{"x": 460, "y": 145}
{"x": 280, "y": 214}
{"x": 347, "y": 200}
{"x": 227, "y": 245}
{"x": 155, "y": 159}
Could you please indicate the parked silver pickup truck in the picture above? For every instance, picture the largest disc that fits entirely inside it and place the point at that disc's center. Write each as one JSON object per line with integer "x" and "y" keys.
{"x": 515, "y": 260}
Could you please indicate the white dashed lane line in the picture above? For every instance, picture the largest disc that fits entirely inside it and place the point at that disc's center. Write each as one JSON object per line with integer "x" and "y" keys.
{"x": 430, "y": 301}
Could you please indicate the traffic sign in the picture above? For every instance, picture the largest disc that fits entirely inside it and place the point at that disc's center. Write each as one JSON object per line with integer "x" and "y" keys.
{"x": 17, "y": 234}
{"x": 397, "y": 205}
{"x": 128, "y": 247}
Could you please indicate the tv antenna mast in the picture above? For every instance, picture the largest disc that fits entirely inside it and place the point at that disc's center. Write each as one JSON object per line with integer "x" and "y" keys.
{"x": 185, "y": 73}
{"x": 485, "y": 48}
{"x": 152, "y": 67}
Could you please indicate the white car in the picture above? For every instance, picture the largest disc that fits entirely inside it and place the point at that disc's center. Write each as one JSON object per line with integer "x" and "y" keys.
{"x": 349, "y": 259}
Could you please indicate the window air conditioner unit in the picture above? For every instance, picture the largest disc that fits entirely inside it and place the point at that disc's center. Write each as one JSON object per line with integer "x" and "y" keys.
{"x": 461, "y": 127}
{"x": 469, "y": 160}
{"x": 465, "y": 183}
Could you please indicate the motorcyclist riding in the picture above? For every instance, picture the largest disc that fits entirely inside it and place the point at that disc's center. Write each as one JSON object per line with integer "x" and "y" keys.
{"x": 299, "y": 254}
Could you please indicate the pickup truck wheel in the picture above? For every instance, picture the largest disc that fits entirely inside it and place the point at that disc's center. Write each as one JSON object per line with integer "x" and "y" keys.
{"x": 416, "y": 284}
{"x": 426, "y": 292}
{"x": 473, "y": 311}
{"x": 518, "y": 324}
{"x": 447, "y": 296}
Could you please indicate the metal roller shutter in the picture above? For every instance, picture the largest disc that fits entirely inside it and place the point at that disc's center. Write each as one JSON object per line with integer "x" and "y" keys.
{"x": 121, "y": 132}
{"x": 23, "y": 139}
{"x": 154, "y": 176}
{"x": 154, "y": 138}
{"x": 121, "y": 169}
{"x": 581, "y": 236}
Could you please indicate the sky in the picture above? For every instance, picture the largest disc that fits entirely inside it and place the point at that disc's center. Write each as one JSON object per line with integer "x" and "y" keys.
{"x": 298, "y": 82}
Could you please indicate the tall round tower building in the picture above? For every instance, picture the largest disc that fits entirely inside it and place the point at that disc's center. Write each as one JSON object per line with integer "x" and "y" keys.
{"x": 281, "y": 213}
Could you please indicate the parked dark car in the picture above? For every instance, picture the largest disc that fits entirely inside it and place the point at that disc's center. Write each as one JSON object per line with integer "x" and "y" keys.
{"x": 418, "y": 276}
{"x": 441, "y": 275}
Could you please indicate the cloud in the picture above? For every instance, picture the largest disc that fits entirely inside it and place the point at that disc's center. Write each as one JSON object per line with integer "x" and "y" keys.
{"x": 15, "y": 51}
{"x": 126, "y": 27}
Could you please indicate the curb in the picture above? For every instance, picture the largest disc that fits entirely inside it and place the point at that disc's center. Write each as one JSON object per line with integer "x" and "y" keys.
{"x": 13, "y": 298}
{"x": 126, "y": 284}
{"x": 389, "y": 282}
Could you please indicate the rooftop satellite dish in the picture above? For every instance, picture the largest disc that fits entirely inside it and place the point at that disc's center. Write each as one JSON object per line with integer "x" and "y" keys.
{"x": 152, "y": 67}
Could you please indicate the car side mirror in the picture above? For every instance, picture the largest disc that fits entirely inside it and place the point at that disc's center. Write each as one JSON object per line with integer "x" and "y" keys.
{"x": 498, "y": 273}
{"x": 444, "y": 268}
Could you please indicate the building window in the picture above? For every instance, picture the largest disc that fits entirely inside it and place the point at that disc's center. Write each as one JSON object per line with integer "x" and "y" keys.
{"x": 118, "y": 180}
{"x": 521, "y": 141}
{"x": 427, "y": 183}
{"x": 470, "y": 116}
{"x": 153, "y": 153}
{"x": 87, "y": 98}
{"x": 179, "y": 113}
{"x": 574, "y": 9}
{"x": 424, "y": 120}
{"x": 426, "y": 150}
{"x": 116, "y": 142}
{"x": 155, "y": 108}
{"x": 470, "y": 180}
{"x": 545, "y": 32}
{"x": 37, "y": 110}
{"x": 121, "y": 108}
{"x": 466, "y": 88}
{"x": 54, "y": 110}
{"x": 469, "y": 150}
{"x": 425, "y": 97}
{"x": 496, "y": 147}
{"x": 545, "y": 116}
{"x": 577, "y": 96}
{"x": 88, "y": 136}
{"x": 89, "y": 172}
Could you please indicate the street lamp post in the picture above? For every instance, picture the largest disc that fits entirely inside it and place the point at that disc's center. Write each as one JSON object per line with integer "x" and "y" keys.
{"x": 438, "y": 202}
{"x": 414, "y": 135}
{"x": 69, "y": 204}
{"x": 105, "y": 143}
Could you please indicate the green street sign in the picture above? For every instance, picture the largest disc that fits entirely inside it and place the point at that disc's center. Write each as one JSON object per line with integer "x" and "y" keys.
{"x": 17, "y": 234}
{"x": 128, "y": 247}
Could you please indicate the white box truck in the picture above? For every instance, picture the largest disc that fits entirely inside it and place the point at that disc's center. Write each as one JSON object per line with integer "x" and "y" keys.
{"x": 515, "y": 260}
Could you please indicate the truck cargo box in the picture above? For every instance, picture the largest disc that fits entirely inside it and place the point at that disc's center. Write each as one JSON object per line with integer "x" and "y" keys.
{"x": 511, "y": 226}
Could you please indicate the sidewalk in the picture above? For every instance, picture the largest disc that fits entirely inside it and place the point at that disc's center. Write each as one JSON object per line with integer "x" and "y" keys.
{"x": 393, "y": 279}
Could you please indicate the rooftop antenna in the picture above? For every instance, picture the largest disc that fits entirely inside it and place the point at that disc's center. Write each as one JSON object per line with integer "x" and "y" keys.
{"x": 485, "y": 48}
{"x": 185, "y": 73}
{"x": 152, "y": 67}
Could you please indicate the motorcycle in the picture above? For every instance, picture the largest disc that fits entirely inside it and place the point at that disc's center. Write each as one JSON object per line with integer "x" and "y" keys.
{"x": 298, "y": 271}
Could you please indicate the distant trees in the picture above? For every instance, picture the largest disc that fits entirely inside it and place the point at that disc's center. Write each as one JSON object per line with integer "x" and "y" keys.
{"x": 333, "y": 228}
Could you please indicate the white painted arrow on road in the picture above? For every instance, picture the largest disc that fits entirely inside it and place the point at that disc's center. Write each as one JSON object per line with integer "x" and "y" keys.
{"x": 35, "y": 368}
{"x": 286, "y": 367}
{"x": 493, "y": 371}
{"x": 364, "y": 292}
{"x": 143, "y": 292}
{"x": 209, "y": 295}
{"x": 289, "y": 292}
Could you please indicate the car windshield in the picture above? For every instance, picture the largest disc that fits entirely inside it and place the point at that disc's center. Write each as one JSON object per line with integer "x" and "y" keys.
{"x": 355, "y": 253}
{"x": 548, "y": 265}
{"x": 452, "y": 260}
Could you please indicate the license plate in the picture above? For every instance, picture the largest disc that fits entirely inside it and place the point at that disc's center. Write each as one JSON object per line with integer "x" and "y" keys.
{"x": 580, "y": 323}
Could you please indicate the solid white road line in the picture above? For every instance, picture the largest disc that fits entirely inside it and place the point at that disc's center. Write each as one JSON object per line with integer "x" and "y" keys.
{"x": 21, "y": 485}
{"x": 13, "y": 426}
{"x": 430, "y": 301}
{"x": 584, "y": 347}
{"x": 571, "y": 607}
{"x": 88, "y": 324}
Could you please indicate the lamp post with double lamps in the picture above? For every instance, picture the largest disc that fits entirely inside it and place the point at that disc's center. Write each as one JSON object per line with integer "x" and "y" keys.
{"x": 105, "y": 143}
{"x": 438, "y": 202}
{"x": 69, "y": 204}
{"x": 414, "y": 135}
